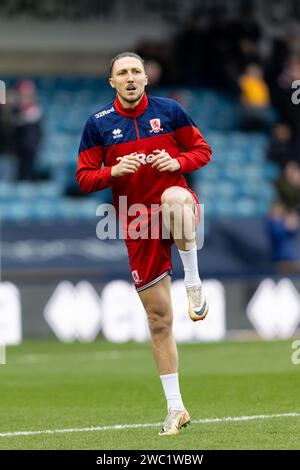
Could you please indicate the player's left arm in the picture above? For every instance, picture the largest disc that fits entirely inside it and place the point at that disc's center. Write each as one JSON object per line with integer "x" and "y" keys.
{"x": 196, "y": 151}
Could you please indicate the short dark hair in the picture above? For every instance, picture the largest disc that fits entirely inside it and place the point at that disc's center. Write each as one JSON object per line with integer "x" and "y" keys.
{"x": 121, "y": 56}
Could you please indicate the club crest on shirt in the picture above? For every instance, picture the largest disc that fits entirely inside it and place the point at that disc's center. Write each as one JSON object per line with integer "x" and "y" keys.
{"x": 155, "y": 125}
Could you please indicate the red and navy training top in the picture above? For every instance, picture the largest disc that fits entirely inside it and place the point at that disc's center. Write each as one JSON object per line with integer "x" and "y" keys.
{"x": 154, "y": 124}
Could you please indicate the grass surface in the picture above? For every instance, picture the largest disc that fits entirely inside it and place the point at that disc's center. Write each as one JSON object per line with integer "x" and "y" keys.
{"x": 52, "y": 386}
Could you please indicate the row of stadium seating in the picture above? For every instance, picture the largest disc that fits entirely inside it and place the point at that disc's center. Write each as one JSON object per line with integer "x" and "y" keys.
{"x": 74, "y": 209}
{"x": 237, "y": 183}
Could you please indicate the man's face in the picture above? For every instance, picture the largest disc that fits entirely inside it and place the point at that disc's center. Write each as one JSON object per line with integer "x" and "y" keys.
{"x": 129, "y": 79}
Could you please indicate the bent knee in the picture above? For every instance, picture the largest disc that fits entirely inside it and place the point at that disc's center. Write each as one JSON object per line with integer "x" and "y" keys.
{"x": 176, "y": 196}
{"x": 159, "y": 319}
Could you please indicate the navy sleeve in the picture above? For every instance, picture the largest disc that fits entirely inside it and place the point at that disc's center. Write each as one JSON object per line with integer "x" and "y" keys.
{"x": 195, "y": 151}
{"x": 181, "y": 117}
{"x": 89, "y": 174}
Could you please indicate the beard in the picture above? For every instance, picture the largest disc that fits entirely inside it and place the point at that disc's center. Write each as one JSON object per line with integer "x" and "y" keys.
{"x": 133, "y": 99}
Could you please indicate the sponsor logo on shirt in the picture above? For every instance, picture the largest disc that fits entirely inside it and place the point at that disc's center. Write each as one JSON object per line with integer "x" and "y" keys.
{"x": 143, "y": 158}
{"x": 105, "y": 112}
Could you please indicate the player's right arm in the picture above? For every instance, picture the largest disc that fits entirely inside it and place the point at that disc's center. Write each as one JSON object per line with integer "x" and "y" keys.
{"x": 128, "y": 164}
{"x": 89, "y": 174}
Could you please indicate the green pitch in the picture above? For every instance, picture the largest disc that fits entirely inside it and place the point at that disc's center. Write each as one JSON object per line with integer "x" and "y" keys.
{"x": 54, "y": 386}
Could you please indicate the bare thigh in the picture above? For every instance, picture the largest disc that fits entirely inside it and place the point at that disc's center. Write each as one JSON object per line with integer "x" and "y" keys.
{"x": 157, "y": 303}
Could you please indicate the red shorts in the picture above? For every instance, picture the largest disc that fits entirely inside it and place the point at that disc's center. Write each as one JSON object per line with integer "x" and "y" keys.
{"x": 150, "y": 259}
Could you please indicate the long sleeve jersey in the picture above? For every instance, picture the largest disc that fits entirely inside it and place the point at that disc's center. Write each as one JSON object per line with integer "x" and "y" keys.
{"x": 154, "y": 124}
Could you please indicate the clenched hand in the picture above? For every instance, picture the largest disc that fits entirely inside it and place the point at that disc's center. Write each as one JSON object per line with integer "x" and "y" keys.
{"x": 128, "y": 164}
{"x": 164, "y": 162}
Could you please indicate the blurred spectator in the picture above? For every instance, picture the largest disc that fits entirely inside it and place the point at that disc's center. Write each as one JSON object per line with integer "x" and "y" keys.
{"x": 245, "y": 33}
{"x": 6, "y": 123}
{"x": 7, "y": 150}
{"x": 275, "y": 64}
{"x": 254, "y": 98}
{"x": 288, "y": 186}
{"x": 190, "y": 52}
{"x": 284, "y": 147}
{"x": 218, "y": 59}
{"x": 255, "y": 92}
{"x": 4, "y": 129}
{"x": 154, "y": 71}
{"x": 283, "y": 228}
{"x": 27, "y": 116}
{"x": 157, "y": 52}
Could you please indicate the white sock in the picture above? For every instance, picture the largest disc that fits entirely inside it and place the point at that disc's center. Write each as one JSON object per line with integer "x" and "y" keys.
{"x": 190, "y": 265}
{"x": 170, "y": 385}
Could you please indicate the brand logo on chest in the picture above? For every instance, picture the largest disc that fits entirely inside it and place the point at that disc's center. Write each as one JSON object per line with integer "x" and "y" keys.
{"x": 117, "y": 134}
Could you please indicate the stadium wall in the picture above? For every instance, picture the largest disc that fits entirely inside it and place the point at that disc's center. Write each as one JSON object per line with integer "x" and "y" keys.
{"x": 61, "y": 280}
{"x": 86, "y": 310}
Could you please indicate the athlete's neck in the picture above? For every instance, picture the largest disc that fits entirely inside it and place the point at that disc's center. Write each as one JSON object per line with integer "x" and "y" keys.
{"x": 127, "y": 105}
{"x": 137, "y": 110}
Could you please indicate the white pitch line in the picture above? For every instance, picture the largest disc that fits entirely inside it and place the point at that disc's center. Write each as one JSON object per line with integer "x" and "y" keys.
{"x": 146, "y": 425}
